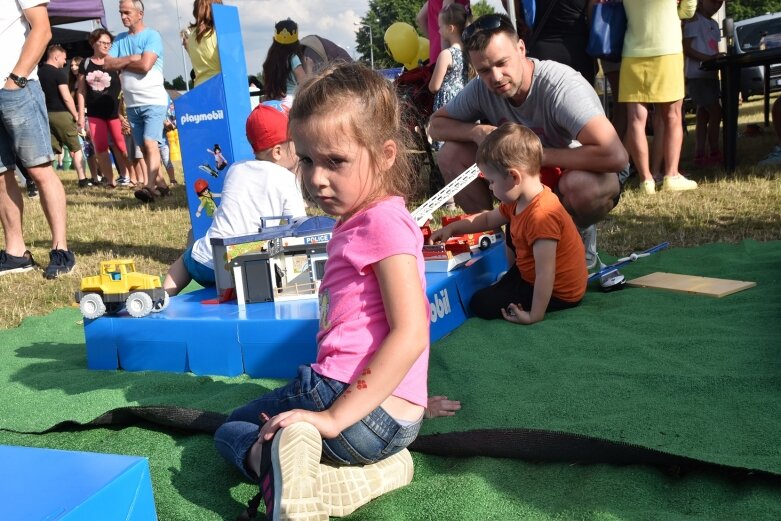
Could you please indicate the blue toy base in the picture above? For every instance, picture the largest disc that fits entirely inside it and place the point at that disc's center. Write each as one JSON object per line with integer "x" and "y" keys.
{"x": 268, "y": 339}
{"x": 44, "y": 484}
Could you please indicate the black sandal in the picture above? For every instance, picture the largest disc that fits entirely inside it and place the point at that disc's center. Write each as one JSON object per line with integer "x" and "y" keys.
{"x": 145, "y": 195}
{"x": 164, "y": 191}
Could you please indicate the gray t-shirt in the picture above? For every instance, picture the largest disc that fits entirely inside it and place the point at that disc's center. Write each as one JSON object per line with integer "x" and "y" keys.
{"x": 559, "y": 104}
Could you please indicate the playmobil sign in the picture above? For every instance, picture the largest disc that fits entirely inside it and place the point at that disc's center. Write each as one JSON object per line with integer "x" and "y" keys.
{"x": 204, "y": 116}
{"x": 440, "y": 306}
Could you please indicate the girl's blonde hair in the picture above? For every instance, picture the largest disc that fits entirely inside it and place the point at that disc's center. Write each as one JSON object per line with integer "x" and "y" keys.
{"x": 369, "y": 105}
{"x": 511, "y": 146}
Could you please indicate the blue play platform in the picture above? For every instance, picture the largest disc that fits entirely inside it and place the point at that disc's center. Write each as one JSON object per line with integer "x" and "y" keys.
{"x": 46, "y": 484}
{"x": 269, "y": 339}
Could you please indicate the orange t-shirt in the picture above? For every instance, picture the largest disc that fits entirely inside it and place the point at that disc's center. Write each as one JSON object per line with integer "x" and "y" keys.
{"x": 546, "y": 218}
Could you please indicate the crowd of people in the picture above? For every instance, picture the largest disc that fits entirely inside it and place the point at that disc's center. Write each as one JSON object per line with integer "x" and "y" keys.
{"x": 530, "y": 118}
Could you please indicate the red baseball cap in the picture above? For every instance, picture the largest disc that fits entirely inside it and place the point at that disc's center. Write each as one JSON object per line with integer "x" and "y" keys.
{"x": 266, "y": 127}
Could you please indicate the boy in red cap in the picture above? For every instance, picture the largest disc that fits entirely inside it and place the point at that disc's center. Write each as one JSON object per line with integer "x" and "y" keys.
{"x": 263, "y": 186}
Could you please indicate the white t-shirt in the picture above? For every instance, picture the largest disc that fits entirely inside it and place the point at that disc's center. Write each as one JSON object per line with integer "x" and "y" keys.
{"x": 13, "y": 32}
{"x": 252, "y": 189}
{"x": 706, "y": 35}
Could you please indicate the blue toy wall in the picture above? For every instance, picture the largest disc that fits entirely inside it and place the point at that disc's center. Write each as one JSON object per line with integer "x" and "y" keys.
{"x": 211, "y": 119}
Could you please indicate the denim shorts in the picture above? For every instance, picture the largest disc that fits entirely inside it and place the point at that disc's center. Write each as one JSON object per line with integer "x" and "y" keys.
{"x": 24, "y": 128}
{"x": 147, "y": 122}
{"x": 201, "y": 274}
{"x": 374, "y": 438}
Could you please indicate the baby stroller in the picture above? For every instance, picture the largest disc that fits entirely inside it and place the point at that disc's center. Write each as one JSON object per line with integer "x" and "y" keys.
{"x": 412, "y": 86}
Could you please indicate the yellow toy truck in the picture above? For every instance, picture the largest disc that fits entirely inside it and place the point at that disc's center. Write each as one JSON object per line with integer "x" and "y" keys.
{"x": 117, "y": 285}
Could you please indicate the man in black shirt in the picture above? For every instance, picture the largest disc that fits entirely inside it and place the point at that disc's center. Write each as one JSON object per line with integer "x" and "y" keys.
{"x": 61, "y": 108}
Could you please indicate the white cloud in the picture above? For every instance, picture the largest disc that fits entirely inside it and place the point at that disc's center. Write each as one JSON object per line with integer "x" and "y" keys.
{"x": 331, "y": 19}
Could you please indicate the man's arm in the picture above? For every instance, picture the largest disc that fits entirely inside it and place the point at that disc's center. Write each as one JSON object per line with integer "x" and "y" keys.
{"x": 601, "y": 150}
{"x": 35, "y": 43}
{"x": 443, "y": 127}
{"x": 141, "y": 63}
{"x": 67, "y": 99}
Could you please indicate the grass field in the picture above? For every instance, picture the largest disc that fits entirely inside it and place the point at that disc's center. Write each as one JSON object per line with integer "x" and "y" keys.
{"x": 106, "y": 224}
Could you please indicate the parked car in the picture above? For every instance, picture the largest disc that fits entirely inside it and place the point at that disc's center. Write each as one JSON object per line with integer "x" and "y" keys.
{"x": 754, "y": 34}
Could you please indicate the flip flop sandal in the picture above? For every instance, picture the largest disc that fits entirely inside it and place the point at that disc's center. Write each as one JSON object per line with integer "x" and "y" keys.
{"x": 145, "y": 195}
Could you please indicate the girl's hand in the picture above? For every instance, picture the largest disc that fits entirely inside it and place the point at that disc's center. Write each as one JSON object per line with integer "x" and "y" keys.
{"x": 515, "y": 313}
{"x": 321, "y": 420}
{"x": 441, "y": 406}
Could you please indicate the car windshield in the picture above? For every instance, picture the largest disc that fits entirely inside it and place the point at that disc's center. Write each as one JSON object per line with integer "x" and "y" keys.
{"x": 750, "y": 35}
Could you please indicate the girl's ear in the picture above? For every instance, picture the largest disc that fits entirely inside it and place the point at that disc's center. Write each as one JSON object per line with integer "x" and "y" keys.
{"x": 389, "y": 150}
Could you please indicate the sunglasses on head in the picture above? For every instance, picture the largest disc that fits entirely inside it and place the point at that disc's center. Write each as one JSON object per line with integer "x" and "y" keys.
{"x": 490, "y": 22}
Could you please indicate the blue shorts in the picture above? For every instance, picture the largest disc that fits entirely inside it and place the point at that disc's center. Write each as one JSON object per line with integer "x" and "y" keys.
{"x": 201, "y": 274}
{"x": 24, "y": 128}
{"x": 147, "y": 122}
{"x": 374, "y": 438}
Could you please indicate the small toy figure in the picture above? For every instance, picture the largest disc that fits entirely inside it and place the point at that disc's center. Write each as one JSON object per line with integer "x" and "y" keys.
{"x": 206, "y": 197}
{"x": 219, "y": 159}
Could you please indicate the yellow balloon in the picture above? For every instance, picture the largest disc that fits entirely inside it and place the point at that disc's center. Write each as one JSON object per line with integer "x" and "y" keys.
{"x": 423, "y": 49}
{"x": 402, "y": 42}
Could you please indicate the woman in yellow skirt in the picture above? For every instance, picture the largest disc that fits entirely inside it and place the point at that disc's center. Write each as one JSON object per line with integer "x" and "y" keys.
{"x": 652, "y": 73}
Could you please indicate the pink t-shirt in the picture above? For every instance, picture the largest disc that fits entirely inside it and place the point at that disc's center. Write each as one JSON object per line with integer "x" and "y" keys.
{"x": 352, "y": 315}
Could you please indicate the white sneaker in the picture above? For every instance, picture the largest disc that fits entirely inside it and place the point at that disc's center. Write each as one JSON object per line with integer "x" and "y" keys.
{"x": 648, "y": 187}
{"x": 677, "y": 183}
{"x": 773, "y": 158}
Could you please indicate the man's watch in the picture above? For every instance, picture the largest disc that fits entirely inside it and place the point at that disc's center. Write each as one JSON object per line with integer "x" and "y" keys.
{"x": 20, "y": 81}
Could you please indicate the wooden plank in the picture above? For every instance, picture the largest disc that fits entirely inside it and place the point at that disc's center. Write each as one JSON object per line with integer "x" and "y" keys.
{"x": 711, "y": 287}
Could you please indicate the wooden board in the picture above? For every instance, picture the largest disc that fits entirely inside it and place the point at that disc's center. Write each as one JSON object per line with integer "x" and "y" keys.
{"x": 691, "y": 284}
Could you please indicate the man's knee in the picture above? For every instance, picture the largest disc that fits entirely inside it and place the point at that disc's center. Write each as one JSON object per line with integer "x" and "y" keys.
{"x": 455, "y": 157}
{"x": 588, "y": 197}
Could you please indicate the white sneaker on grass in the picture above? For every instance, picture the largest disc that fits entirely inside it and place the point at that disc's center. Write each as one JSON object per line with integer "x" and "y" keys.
{"x": 678, "y": 183}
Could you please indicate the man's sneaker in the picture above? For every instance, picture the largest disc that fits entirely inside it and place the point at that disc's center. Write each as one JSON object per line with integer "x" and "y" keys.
{"x": 13, "y": 264}
{"x": 124, "y": 181}
{"x": 773, "y": 158}
{"x": 345, "y": 488}
{"x": 677, "y": 183}
{"x": 60, "y": 263}
{"x": 32, "y": 189}
{"x": 84, "y": 183}
{"x": 589, "y": 237}
{"x": 290, "y": 476}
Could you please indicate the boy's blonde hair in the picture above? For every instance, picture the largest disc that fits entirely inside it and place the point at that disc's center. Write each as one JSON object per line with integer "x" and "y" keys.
{"x": 369, "y": 107}
{"x": 511, "y": 146}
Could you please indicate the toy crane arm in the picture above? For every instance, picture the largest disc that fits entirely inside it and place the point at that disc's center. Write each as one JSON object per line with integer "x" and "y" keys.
{"x": 423, "y": 212}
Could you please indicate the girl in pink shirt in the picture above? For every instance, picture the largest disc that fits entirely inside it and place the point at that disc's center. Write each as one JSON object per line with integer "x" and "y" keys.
{"x": 362, "y": 402}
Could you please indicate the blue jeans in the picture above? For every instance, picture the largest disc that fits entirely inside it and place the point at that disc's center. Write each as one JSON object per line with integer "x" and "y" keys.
{"x": 147, "y": 123}
{"x": 375, "y": 437}
{"x": 24, "y": 128}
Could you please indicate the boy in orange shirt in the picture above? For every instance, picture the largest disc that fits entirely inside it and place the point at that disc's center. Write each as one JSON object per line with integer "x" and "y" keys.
{"x": 549, "y": 273}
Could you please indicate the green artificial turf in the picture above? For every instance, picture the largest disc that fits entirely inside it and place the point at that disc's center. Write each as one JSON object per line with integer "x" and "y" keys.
{"x": 690, "y": 375}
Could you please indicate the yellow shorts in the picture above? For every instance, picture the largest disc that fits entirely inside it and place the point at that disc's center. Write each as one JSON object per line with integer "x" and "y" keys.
{"x": 655, "y": 79}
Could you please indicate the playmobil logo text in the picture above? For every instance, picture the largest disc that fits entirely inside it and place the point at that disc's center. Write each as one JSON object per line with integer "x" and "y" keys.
{"x": 197, "y": 118}
{"x": 440, "y": 306}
